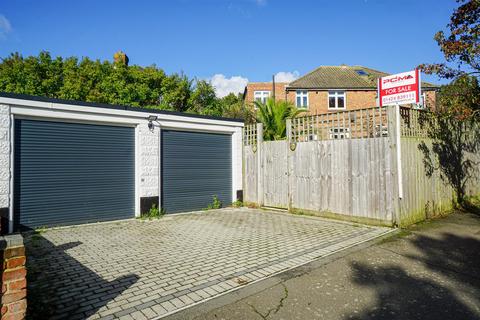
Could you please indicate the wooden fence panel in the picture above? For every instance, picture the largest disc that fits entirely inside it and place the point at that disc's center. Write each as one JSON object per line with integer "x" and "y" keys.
{"x": 275, "y": 175}
{"x": 348, "y": 177}
{"x": 427, "y": 195}
{"x": 250, "y": 168}
{"x": 349, "y": 164}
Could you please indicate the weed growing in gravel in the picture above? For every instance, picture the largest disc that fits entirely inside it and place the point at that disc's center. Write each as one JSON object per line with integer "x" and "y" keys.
{"x": 153, "y": 213}
{"x": 216, "y": 204}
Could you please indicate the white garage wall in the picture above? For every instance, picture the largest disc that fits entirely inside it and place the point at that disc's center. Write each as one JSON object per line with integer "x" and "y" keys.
{"x": 149, "y": 151}
{"x": 237, "y": 162}
{"x": 4, "y": 156}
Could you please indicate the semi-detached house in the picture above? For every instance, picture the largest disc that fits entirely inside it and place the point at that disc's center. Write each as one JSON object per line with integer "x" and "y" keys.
{"x": 331, "y": 89}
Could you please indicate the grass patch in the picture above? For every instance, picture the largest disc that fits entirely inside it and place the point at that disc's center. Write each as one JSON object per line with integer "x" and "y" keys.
{"x": 41, "y": 230}
{"x": 402, "y": 233}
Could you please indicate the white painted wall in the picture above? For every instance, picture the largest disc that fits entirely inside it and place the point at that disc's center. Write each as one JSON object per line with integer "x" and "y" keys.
{"x": 237, "y": 162}
{"x": 148, "y": 151}
{"x": 4, "y": 156}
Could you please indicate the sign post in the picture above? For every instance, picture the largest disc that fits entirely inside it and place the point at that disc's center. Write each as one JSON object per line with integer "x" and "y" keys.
{"x": 394, "y": 90}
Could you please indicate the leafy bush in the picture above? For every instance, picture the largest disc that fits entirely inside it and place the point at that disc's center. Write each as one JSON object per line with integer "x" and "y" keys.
{"x": 153, "y": 213}
{"x": 237, "y": 204}
{"x": 216, "y": 203}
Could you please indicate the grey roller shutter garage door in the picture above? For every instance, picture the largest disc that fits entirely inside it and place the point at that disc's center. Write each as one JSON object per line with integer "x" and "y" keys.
{"x": 70, "y": 173}
{"x": 195, "y": 167}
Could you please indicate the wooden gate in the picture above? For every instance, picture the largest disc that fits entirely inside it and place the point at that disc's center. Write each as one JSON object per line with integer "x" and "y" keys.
{"x": 275, "y": 174}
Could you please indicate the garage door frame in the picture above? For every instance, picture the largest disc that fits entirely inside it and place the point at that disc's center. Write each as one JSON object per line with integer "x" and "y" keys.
{"x": 107, "y": 121}
{"x": 199, "y": 130}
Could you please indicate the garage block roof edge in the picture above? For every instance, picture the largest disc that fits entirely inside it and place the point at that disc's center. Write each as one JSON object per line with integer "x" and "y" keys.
{"x": 111, "y": 106}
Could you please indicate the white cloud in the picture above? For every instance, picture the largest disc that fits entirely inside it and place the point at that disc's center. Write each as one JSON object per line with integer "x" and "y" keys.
{"x": 223, "y": 85}
{"x": 286, "y": 76}
{"x": 5, "y": 26}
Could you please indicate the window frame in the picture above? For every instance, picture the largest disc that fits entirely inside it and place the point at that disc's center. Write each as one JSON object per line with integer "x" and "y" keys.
{"x": 265, "y": 95}
{"x": 303, "y": 94}
{"x": 335, "y": 94}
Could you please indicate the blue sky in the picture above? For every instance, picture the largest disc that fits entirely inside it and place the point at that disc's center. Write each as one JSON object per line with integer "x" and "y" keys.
{"x": 244, "y": 39}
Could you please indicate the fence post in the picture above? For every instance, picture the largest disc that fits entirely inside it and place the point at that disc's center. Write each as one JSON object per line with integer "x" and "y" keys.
{"x": 260, "y": 164}
{"x": 289, "y": 164}
{"x": 394, "y": 139}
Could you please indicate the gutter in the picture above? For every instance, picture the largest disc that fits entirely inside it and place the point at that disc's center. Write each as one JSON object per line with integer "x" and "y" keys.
{"x": 6, "y": 97}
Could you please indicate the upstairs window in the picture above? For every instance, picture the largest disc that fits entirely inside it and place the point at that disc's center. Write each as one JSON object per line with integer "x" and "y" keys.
{"x": 336, "y": 100}
{"x": 261, "y": 96}
{"x": 302, "y": 99}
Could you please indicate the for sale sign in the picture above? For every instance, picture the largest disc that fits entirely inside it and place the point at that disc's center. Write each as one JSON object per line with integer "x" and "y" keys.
{"x": 400, "y": 88}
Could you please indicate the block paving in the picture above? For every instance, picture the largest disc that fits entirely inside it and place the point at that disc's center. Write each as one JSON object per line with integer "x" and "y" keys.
{"x": 139, "y": 269}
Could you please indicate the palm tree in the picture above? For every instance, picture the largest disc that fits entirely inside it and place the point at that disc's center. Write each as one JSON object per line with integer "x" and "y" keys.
{"x": 273, "y": 114}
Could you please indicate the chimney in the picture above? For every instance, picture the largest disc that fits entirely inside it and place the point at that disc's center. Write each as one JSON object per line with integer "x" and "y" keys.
{"x": 120, "y": 57}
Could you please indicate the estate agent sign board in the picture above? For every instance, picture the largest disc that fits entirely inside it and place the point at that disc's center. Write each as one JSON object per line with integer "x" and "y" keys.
{"x": 400, "y": 88}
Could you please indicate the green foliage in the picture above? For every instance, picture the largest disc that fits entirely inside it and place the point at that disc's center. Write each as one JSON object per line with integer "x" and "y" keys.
{"x": 153, "y": 213}
{"x": 216, "y": 203}
{"x": 233, "y": 106}
{"x": 273, "y": 114}
{"x": 41, "y": 230}
{"x": 115, "y": 83}
{"x": 203, "y": 99}
{"x": 460, "y": 44}
{"x": 237, "y": 204}
{"x": 461, "y": 98}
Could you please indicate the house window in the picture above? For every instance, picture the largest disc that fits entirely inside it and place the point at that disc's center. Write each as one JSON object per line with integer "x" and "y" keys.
{"x": 336, "y": 100}
{"x": 302, "y": 99}
{"x": 261, "y": 96}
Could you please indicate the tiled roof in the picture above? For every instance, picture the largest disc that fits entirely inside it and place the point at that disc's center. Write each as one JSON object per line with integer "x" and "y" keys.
{"x": 342, "y": 77}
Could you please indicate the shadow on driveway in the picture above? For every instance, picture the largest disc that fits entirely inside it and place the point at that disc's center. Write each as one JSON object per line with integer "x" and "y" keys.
{"x": 400, "y": 295}
{"x": 60, "y": 287}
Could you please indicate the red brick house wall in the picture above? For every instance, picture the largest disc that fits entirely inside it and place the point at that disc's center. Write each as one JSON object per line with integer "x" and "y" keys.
{"x": 264, "y": 86}
{"x": 318, "y": 99}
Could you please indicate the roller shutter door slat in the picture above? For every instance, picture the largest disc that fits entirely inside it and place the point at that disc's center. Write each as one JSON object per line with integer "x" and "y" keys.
{"x": 195, "y": 167}
{"x": 69, "y": 173}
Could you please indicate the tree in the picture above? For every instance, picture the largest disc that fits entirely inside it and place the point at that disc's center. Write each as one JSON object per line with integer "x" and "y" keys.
{"x": 273, "y": 115}
{"x": 203, "y": 100}
{"x": 233, "y": 106}
{"x": 114, "y": 82}
{"x": 454, "y": 128}
{"x": 175, "y": 92}
{"x": 460, "y": 99}
{"x": 461, "y": 45}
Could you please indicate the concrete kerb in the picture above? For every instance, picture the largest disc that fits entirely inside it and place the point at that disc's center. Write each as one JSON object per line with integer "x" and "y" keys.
{"x": 273, "y": 279}
{"x": 305, "y": 216}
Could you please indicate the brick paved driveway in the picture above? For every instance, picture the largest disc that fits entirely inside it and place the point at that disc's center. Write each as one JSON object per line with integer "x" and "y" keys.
{"x": 146, "y": 269}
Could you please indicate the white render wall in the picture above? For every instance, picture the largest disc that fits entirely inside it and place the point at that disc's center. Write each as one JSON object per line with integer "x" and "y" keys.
{"x": 4, "y": 156}
{"x": 149, "y": 160}
{"x": 237, "y": 162}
